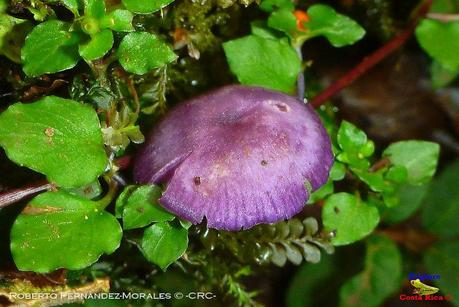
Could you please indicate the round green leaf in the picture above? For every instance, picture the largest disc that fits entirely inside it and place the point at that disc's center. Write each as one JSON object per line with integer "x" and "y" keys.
{"x": 118, "y": 20}
{"x": 99, "y": 44}
{"x": 418, "y": 157}
{"x": 94, "y": 8}
{"x": 50, "y": 48}
{"x": 164, "y": 243}
{"x": 439, "y": 40}
{"x": 410, "y": 198}
{"x": 264, "y": 62}
{"x": 141, "y": 207}
{"x": 339, "y": 29}
{"x": 145, "y": 6}
{"x": 140, "y": 52}
{"x": 350, "y": 217}
{"x": 58, "y": 137}
{"x": 60, "y": 230}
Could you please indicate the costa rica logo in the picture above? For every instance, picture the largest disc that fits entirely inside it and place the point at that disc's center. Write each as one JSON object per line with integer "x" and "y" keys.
{"x": 423, "y": 291}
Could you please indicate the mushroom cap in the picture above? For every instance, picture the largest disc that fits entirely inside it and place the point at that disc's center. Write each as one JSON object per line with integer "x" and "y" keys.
{"x": 239, "y": 156}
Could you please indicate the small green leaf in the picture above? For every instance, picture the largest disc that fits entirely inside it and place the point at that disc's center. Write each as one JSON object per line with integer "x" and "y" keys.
{"x": 259, "y": 28}
{"x": 340, "y": 30}
{"x": 420, "y": 158}
{"x": 440, "y": 212}
{"x": 99, "y": 44}
{"x": 350, "y": 217}
{"x": 322, "y": 192}
{"x": 439, "y": 40}
{"x": 141, "y": 207}
{"x": 410, "y": 198}
{"x": 57, "y": 137}
{"x": 73, "y": 5}
{"x": 140, "y": 52}
{"x": 145, "y": 7}
{"x": 272, "y": 5}
{"x": 338, "y": 171}
{"x": 264, "y": 62}
{"x": 350, "y": 138}
{"x": 60, "y": 230}
{"x": 50, "y": 48}
{"x": 442, "y": 259}
{"x": 118, "y": 20}
{"x": 164, "y": 243}
{"x": 355, "y": 146}
{"x": 94, "y": 8}
{"x": 283, "y": 20}
{"x": 381, "y": 277}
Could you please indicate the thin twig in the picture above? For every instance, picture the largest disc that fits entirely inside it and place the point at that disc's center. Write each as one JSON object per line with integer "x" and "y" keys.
{"x": 15, "y": 195}
{"x": 443, "y": 17}
{"x": 370, "y": 61}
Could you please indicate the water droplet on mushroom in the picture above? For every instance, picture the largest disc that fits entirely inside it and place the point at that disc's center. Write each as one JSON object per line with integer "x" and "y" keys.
{"x": 264, "y": 162}
{"x": 197, "y": 180}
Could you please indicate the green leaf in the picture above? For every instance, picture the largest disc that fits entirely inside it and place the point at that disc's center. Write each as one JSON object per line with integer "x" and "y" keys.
{"x": 439, "y": 40}
{"x": 350, "y": 138}
{"x": 350, "y": 217}
{"x": 420, "y": 158}
{"x": 355, "y": 146}
{"x": 381, "y": 277}
{"x": 164, "y": 243}
{"x": 118, "y": 20}
{"x": 73, "y": 5}
{"x": 57, "y": 137}
{"x": 145, "y": 7}
{"x": 410, "y": 198}
{"x": 259, "y": 28}
{"x": 140, "y": 52}
{"x": 322, "y": 192}
{"x": 50, "y": 48}
{"x": 12, "y": 36}
{"x": 94, "y": 8}
{"x": 60, "y": 230}
{"x": 264, "y": 62}
{"x": 440, "y": 212}
{"x": 272, "y": 5}
{"x": 141, "y": 208}
{"x": 340, "y": 30}
{"x": 283, "y": 20}
{"x": 442, "y": 259}
{"x": 338, "y": 171}
{"x": 99, "y": 44}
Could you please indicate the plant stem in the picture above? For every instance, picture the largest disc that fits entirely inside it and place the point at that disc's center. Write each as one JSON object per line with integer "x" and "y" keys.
{"x": 15, "y": 195}
{"x": 368, "y": 62}
{"x": 443, "y": 17}
{"x": 108, "y": 198}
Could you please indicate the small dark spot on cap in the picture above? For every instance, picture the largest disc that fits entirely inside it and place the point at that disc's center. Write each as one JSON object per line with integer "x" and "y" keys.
{"x": 264, "y": 162}
{"x": 197, "y": 180}
{"x": 336, "y": 210}
{"x": 140, "y": 210}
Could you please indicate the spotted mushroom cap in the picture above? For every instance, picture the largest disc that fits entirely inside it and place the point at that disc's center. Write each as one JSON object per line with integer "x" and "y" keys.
{"x": 239, "y": 156}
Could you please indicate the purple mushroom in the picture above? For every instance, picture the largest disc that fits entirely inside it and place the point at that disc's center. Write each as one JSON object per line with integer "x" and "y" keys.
{"x": 239, "y": 156}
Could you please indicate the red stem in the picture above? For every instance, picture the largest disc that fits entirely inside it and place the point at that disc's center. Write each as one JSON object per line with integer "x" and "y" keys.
{"x": 368, "y": 62}
{"x": 11, "y": 196}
